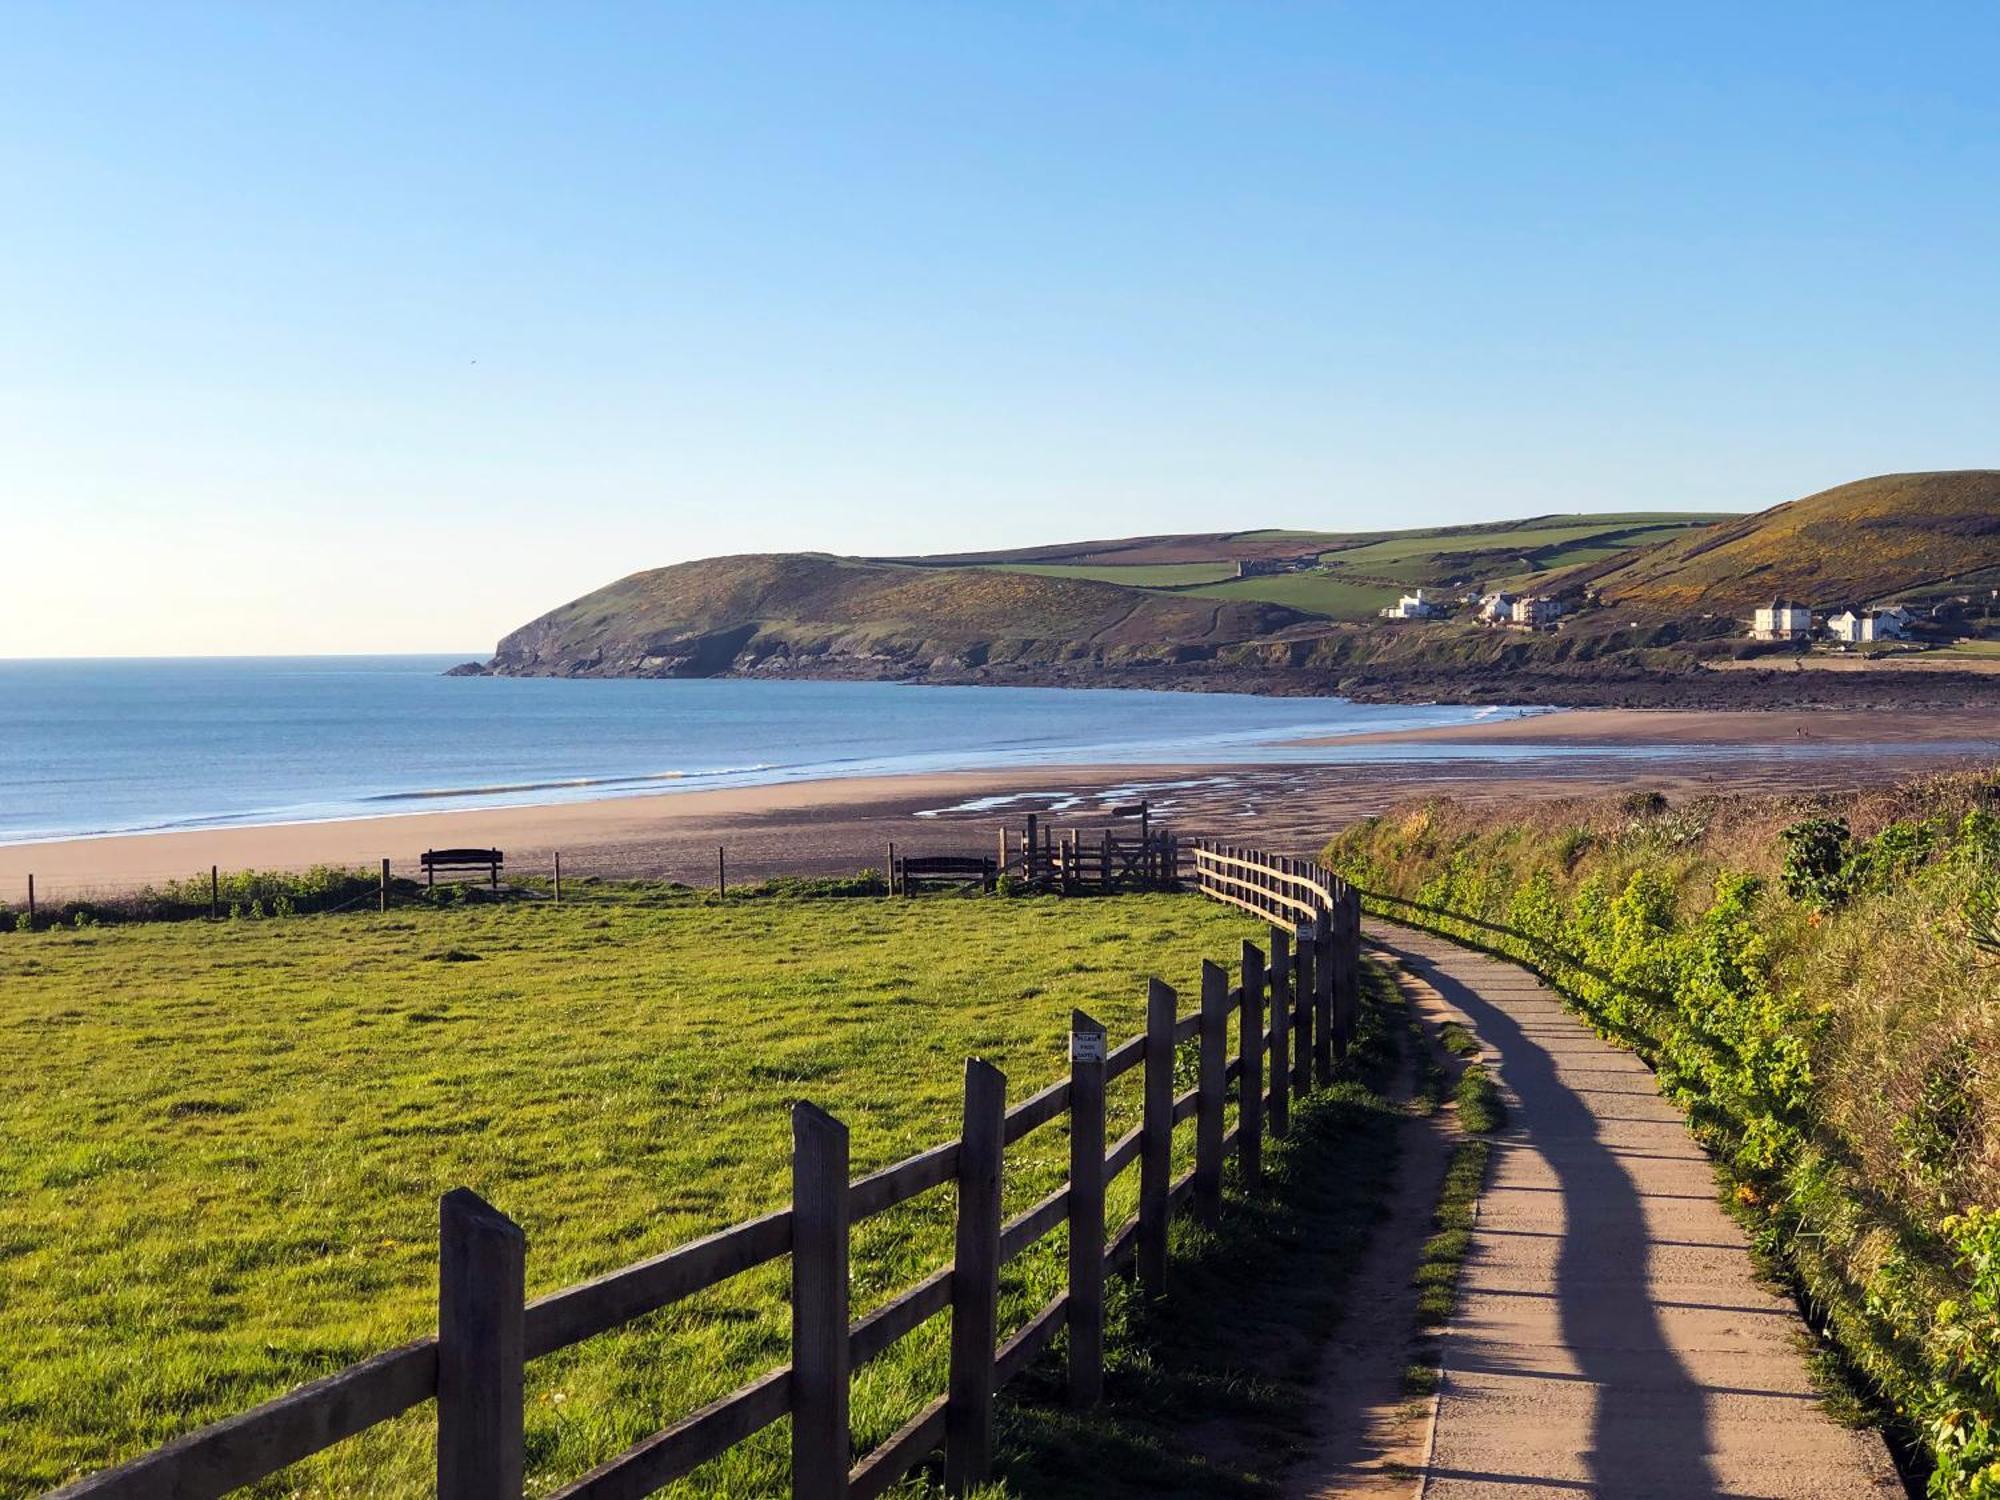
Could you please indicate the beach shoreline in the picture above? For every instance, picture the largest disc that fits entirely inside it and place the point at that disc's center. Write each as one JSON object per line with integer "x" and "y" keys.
{"x": 836, "y": 825}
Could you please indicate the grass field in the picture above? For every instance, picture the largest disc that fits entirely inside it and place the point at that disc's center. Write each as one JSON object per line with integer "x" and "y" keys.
{"x": 1160, "y": 576}
{"x": 1322, "y": 593}
{"x": 223, "y": 1145}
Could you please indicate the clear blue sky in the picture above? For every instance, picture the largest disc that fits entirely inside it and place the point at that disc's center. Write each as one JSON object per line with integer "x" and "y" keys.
{"x": 313, "y": 309}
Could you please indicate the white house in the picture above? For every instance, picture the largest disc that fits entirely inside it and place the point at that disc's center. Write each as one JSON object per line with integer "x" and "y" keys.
{"x": 1496, "y": 609}
{"x": 1868, "y": 625}
{"x": 1536, "y": 611}
{"x": 1411, "y": 607}
{"x": 1781, "y": 620}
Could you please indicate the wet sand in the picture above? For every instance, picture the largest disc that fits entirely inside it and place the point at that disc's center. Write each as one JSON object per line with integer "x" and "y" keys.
{"x": 834, "y": 826}
{"x": 1673, "y": 727}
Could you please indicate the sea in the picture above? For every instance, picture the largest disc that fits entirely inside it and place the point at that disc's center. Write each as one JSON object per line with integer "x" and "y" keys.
{"x": 138, "y": 745}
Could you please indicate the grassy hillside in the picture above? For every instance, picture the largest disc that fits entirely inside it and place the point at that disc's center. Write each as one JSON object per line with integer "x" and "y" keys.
{"x": 247, "y": 1199}
{"x": 742, "y": 611}
{"x": 1817, "y": 982}
{"x": 1356, "y": 573}
{"x": 1676, "y": 590}
{"x": 1878, "y": 539}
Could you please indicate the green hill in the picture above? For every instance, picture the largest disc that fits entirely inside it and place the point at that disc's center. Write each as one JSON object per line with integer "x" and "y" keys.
{"x": 1893, "y": 536}
{"x": 1652, "y": 595}
{"x": 842, "y": 616}
{"x": 1345, "y": 575}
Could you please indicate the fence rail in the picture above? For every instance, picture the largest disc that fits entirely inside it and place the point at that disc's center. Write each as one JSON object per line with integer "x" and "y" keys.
{"x": 487, "y": 1332}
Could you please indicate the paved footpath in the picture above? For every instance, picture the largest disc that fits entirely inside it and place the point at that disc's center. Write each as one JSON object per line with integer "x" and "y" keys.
{"x": 1611, "y": 1338}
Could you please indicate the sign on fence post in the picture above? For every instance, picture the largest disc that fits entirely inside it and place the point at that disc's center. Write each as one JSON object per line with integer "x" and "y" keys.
{"x": 975, "y": 1281}
{"x": 1156, "y": 1143}
{"x": 1214, "y": 1036}
{"x": 821, "y": 1443}
{"x": 1087, "y": 1052}
{"x": 1302, "y": 1008}
{"x": 482, "y": 1349}
{"x": 1281, "y": 1017}
{"x": 1250, "y": 1080}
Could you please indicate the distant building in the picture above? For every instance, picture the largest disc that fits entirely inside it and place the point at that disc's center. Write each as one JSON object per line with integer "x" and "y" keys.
{"x": 1536, "y": 611}
{"x": 1265, "y": 567}
{"x": 1411, "y": 607}
{"x": 1496, "y": 609}
{"x": 1859, "y": 627}
{"x": 1781, "y": 620}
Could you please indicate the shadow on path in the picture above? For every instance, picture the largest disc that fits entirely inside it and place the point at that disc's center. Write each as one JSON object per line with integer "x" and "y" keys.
{"x": 1649, "y": 1432}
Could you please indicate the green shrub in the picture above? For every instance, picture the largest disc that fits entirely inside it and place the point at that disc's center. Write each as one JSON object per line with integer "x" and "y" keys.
{"x": 1816, "y": 861}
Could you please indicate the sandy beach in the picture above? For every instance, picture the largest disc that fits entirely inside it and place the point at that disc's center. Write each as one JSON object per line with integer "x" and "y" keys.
{"x": 836, "y": 825}
{"x": 1672, "y": 727}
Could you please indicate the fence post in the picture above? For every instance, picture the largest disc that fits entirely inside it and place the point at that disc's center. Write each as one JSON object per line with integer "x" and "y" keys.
{"x": 1156, "y": 1141}
{"x": 889, "y": 869}
{"x": 382, "y": 891}
{"x": 1322, "y": 996}
{"x": 1250, "y": 1077}
{"x": 215, "y": 891}
{"x": 31, "y": 902}
{"x": 558, "y": 877}
{"x": 1214, "y": 1036}
{"x": 1302, "y": 1011}
{"x": 1345, "y": 1000}
{"x": 975, "y": 1281}
{"x": 1352, "y": 958}
{"x": 482, "y": 1351}
{"x": 1031, "y": 849}
{"x": 821, "y": 1443}
{"x": 1281, "y": 1021}
{"x": 1086, "y": 1210}
{"x": 721, "y": 872}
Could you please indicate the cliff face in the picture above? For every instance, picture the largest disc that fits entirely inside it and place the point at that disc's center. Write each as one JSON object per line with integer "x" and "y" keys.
{"x": 777, "y": 614}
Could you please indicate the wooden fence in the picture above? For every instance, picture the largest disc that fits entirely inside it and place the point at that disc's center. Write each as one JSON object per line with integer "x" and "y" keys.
{"x": 1076, "y": 861}
{"x": 474, "y": 1366}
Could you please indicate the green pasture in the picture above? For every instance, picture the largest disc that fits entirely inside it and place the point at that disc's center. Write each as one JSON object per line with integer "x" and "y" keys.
{"x": 1322, "y": 593}
{"x": 1159, "y": 576}
{"x": 222, "y": 1144}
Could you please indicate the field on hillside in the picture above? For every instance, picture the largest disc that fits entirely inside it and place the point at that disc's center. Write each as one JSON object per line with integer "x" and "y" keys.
{"x": 1160, "y": 576}
{"x": 1322, "y": 593}
{"x": 1360, "y": 572}
{"x": 224, "y": 1144}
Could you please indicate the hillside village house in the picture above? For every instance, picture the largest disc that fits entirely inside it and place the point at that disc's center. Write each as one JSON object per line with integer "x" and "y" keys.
{"x": 1781, "y": 620}
{"x": 1496, "y": 609}
{"x": 1536, "y": 611}
{"x": 1411, "y": 607}
{"x": 1868, "y": 625}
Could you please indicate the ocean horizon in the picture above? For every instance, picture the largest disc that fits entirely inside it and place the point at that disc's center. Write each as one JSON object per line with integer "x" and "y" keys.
{"x": 119, "y": 745}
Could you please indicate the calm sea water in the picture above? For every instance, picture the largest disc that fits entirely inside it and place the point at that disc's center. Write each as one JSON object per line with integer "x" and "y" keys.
{"x": 118, "y": 746}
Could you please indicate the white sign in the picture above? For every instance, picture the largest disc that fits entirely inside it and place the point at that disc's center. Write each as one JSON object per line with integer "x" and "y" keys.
{"x": 1086, "y": 1046}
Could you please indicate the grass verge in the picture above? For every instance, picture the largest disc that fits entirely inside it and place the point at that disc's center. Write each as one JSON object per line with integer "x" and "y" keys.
{"x": 1480, "y": 1110}
{"x": 1445, "y": 1251}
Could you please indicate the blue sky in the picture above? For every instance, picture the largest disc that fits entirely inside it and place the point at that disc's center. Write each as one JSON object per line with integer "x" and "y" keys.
{"x": 311, "y": 309}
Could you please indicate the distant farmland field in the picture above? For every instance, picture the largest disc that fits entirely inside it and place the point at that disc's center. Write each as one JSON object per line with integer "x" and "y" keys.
{"x": 224, "y": 1144}
{"x": 1158, "y": 576}
{"x": 1323, "y": 593}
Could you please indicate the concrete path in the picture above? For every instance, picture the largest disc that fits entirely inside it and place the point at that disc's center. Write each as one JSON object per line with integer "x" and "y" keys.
{"x": 1611, "y": 1338}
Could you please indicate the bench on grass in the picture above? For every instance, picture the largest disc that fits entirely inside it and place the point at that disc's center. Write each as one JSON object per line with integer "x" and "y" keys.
{"x": 448, "y": 860}
{"x": 918, "y": 872}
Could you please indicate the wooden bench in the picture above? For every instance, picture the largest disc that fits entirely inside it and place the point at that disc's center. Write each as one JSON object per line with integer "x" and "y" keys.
{"x": 944, "y": 872}
{"x": 488, "y": 860}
